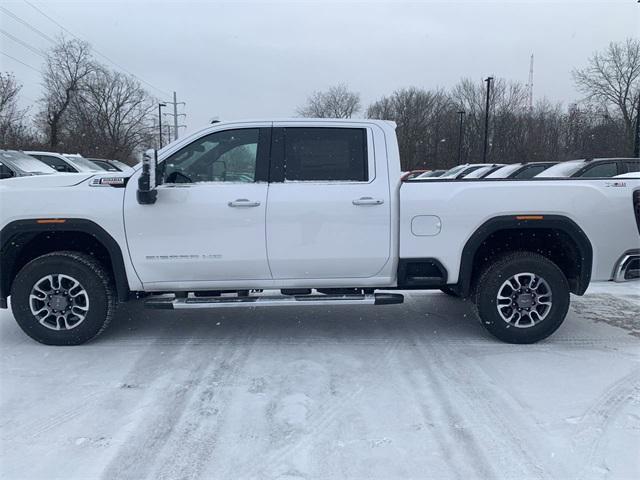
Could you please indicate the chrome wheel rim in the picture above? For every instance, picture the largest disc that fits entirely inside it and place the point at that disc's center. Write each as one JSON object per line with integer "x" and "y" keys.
{"x": 59, "y": 302}
{"x": 524, "y": 300}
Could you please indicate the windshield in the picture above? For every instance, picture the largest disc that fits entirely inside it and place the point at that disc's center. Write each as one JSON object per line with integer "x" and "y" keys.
{"x": 82, "y": 163}
{"x": 564, "y": 169}
{"x": 25, "y": 163}
{"x": 452, "y": 172}
{"x": 480, "y": 172}
{"x": 122, "y": 166}
{"x": 505, "y": 171}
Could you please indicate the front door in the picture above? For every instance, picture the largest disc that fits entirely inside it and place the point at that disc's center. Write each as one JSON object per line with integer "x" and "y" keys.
{"x": 208, "y": 223}
{"x": 329, "y": 214}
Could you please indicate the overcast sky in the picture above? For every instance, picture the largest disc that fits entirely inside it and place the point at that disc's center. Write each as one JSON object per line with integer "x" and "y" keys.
{"x": 257, "y": 59}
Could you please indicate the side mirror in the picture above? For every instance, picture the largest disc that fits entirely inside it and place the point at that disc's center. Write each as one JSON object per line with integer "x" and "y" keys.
{"x": 147, "y": 192}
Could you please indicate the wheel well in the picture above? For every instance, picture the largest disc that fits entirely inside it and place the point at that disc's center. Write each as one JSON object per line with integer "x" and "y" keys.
{"x": 23, "y": 245}
{"x": 555, "y": 244}
{"x": 556, "y": 237}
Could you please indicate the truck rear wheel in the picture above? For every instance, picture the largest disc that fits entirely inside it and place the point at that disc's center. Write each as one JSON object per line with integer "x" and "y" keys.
{"x": 522, "y": 298}
{"x": 63, "y": 298}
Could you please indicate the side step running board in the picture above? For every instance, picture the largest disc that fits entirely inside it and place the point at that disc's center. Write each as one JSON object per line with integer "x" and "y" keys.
{"x": 172, "y": 303}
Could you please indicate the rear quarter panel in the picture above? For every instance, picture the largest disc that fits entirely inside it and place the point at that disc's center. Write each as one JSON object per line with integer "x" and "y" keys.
{"x": 603, "y": 208}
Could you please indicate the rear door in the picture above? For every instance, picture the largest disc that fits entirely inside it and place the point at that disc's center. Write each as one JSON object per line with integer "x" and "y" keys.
{"x": 328, "y": 210}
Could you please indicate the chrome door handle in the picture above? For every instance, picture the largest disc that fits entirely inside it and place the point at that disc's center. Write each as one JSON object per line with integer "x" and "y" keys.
{"x": 368, "y": 201}
{"x": 243, "y": 202}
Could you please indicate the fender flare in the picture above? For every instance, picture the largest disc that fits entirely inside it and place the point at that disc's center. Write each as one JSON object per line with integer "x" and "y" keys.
{"x": 36, "y": 226}
{"x": 526, "y": 221}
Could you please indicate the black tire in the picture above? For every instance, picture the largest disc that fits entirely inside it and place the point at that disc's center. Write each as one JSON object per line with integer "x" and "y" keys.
{"x": 495, "y": 275}
{"x": 450, "y": 292}
{"x": 93, "y": 278}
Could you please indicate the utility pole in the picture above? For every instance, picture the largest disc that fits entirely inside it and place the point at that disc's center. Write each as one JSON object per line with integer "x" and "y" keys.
{"x": 636, "y": 142}
{"x": 486, "y": 120}
{"x": 175, "y": 115}
{"x": 461, "y": 113}
{"x": 160, "y": 105}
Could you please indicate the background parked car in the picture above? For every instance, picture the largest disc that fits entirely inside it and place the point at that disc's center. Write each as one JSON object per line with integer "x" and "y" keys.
{"x": 521, "y": 171}
{"x": 65, "y": 162}
{"x": 482, "y": 172}
{"x": 593, "y": 168}
{"x": 459, "y": 171}
{"x": 17, "y": 164}
{"x": 433, "y": 174}
{"x": 110, "y": 165}
{"x": 421, "y": 173}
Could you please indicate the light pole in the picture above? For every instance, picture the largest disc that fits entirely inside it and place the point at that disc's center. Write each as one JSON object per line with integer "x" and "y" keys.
{"x": 486, "y": 120}
{"x": 461, "y": 113}
{"x": 160, "y": 105}
{"x": 636, "y": 140}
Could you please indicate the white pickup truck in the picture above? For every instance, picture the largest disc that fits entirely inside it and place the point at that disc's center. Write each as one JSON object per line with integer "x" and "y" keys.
{"x": 315, "y": 209}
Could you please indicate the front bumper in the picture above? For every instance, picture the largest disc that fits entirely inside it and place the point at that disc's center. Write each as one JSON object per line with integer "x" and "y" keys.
{"x": 628, "y": 267}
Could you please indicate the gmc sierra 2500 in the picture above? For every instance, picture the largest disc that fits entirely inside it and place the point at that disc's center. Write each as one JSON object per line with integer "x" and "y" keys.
{"x": 299, "y": 205}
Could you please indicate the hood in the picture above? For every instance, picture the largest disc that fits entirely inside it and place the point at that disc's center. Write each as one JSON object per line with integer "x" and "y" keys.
{"x": 46, "y": 181}
{"x": 58, "y": 179}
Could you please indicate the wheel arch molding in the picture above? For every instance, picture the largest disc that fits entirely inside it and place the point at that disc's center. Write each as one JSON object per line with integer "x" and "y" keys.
{"x": 18, "y": 236}
{"x": 557, "y": 237}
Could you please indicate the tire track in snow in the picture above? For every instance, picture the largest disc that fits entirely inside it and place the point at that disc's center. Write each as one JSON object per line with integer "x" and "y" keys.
{"x": 194, "y": 442}
{"x": 446, "y": 444}
{"x": 458, "y": 377}
{"x": 137, "y": 455}
{"x": 273, "y": 463}
{"x": 601, "y": 414}
{"x": 147, "y": 362}
{"x": 458, "y": 437}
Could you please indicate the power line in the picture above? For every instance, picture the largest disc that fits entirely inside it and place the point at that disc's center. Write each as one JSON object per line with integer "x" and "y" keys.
{"x": 20, "y": 61}
{"x": 35, "y": 50}
{"x": 26, "y": 24}
{"x": 93, "y": 48}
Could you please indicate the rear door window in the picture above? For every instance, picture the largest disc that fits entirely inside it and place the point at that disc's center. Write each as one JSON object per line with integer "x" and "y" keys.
{"x": 325, "y": 154}
{"x": 602, "y": 170}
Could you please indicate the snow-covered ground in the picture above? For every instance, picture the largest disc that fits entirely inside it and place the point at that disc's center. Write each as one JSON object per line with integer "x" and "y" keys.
{"x": 417, "y": 390}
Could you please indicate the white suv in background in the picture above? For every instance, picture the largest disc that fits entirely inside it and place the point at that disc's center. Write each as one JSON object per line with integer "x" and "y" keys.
{"x": 66, "y": 162}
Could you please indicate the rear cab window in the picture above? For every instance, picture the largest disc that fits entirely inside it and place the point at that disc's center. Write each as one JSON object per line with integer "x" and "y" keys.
{"x": 325, "y": 154}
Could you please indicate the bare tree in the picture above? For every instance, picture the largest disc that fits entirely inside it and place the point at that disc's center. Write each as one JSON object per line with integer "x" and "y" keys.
{"x": 111, "y": 116}
{"x": 68, "y": 64}
{"x": 507, "y": 108}
{"x": 612, "y": 78}
{"x": 424, "y": 125}
{"x": 13, "y": 130}
{"x": 337, "y": 102}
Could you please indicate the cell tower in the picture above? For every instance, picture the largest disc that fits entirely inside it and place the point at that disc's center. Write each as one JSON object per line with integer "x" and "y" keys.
{"x": 530, "y": 86}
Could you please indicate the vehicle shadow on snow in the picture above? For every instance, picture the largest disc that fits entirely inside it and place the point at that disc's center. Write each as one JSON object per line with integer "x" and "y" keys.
{"x": 423, "y": 314}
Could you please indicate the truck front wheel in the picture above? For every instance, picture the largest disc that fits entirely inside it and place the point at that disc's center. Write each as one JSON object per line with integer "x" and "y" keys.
{"x": 522, "y": 298}
{"x": 63, "y": 298}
